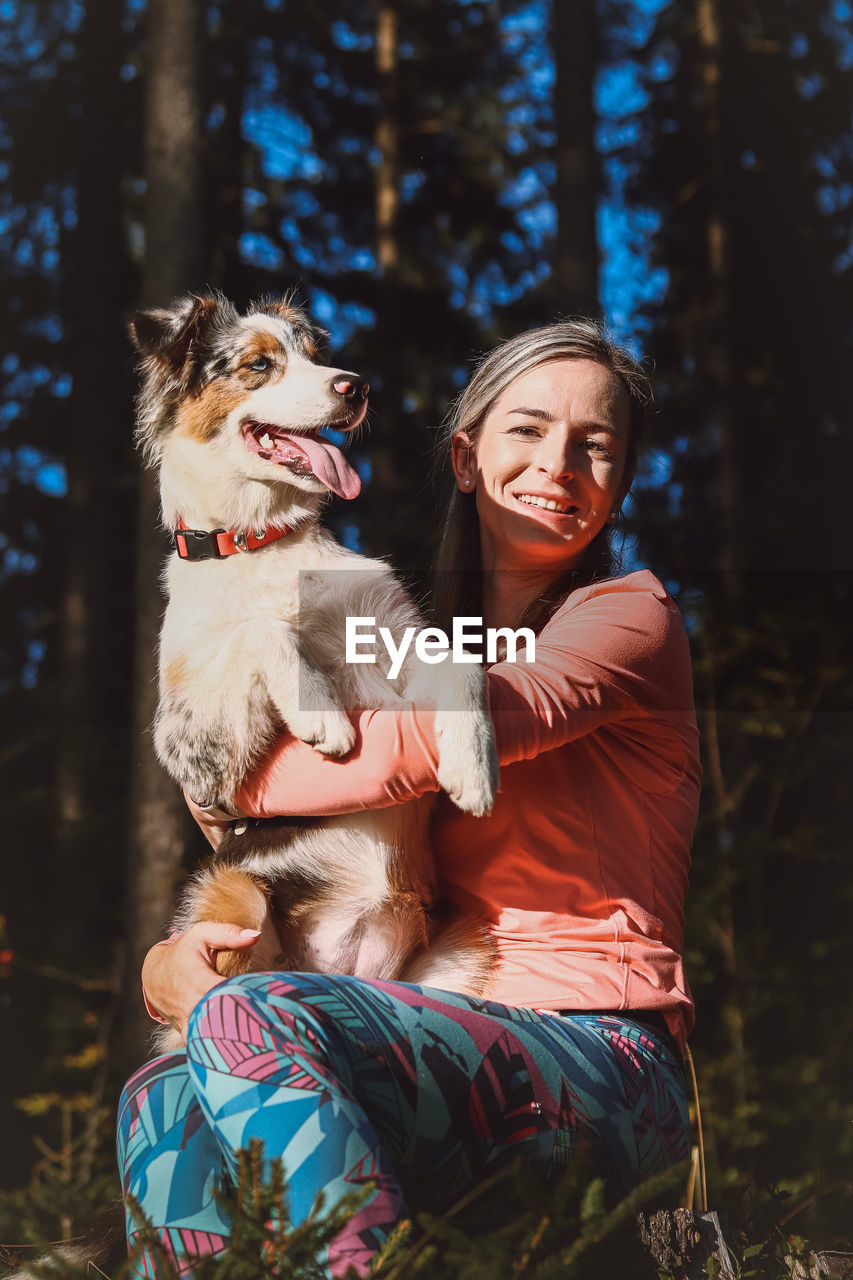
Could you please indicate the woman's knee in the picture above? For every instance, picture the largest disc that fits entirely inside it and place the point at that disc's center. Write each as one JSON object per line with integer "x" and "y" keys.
{"x": 265, "y": 1012}
{"x": 266, "y": 997}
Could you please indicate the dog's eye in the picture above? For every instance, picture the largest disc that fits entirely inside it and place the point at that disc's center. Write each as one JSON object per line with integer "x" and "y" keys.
{"x": 260, "y": 363}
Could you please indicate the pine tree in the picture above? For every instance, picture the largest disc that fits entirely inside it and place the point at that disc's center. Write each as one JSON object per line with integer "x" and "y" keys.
{"x": 174, "y": 259}
{"x": 391, "y": 216}
{"x": 577, "y": 185}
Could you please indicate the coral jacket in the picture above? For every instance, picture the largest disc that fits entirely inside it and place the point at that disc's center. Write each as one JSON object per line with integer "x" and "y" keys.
{"x": 582, "y": 866}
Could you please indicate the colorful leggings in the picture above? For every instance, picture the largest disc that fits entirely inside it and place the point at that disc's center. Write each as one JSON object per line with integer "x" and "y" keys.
{"x": 422, "y": 1093}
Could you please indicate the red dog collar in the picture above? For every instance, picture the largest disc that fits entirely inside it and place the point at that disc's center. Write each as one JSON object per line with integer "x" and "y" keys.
{"x": 214, "y": 544}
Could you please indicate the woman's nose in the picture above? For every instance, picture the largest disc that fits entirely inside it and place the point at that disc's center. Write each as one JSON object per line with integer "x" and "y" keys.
{"x": 558, "y": 465}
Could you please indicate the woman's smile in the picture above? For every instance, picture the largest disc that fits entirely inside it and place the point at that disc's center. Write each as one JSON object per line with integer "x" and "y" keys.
{"x": 556, "y": 505}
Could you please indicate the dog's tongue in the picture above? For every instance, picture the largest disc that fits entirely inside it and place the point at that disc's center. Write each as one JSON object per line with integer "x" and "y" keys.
{"x": 327, "y": 463}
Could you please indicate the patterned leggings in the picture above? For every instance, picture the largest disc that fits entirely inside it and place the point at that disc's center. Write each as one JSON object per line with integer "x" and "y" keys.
{"x": 423, "y": 1093}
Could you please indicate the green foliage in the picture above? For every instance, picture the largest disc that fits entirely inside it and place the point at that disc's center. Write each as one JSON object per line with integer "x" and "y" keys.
{"x": 72, "y": 1131}
{"x": 265, "y": 1242}
{"x": 515, "y": 1225}
{"x": 50, "y": 1210}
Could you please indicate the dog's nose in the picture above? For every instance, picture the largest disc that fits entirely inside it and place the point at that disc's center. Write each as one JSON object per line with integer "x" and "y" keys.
{"x": 351, "y": 387}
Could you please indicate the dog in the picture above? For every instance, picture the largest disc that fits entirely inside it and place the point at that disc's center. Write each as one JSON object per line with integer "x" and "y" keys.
{"x": 251, "y": 646}
{"x": 252, "y": 643}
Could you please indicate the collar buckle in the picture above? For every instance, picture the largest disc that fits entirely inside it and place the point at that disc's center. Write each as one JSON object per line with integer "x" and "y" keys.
{"x": 198, "y": 544}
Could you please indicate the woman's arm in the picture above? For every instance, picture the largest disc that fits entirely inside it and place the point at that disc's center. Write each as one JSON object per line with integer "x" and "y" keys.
{"x": 618, "y": 654}
{"x": 394, "y": 759}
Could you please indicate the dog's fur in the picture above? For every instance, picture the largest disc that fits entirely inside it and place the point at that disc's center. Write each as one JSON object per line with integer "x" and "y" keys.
{"x": 253, "y": 644}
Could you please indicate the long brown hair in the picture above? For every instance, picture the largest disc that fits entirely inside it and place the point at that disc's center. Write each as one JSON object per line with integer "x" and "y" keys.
{"x": 457, "y": 570}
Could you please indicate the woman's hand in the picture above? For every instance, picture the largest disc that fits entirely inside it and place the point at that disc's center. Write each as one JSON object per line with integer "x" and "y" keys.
{"x": 213, "y": 826}
{"x": 178, "y": 972}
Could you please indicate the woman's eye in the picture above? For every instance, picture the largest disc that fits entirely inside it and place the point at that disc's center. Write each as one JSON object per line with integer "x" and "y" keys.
{"x": 598, "y": 446}
{"x": 260, "y": 363}
{"x": 524, "y": 430}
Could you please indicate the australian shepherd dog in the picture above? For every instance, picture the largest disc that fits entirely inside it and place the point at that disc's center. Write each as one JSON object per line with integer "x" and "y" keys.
{"x": 252, "y": 646}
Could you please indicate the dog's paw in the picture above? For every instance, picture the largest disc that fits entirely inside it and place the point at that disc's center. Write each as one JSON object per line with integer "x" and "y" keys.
{"x": 330, "y": 732}
{"x": 467, "y": 762}
{"x": 468, "y": 791}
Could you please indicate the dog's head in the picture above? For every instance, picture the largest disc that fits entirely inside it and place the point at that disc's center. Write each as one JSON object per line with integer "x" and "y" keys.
{"x": 247, "y": 392}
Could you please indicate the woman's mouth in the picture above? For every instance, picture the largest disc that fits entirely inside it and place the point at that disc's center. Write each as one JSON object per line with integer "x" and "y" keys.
{"x": 559, "y": 506}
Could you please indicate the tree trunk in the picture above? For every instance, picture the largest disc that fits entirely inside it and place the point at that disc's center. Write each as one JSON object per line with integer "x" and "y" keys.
{"x": 227, "y": 179}
{"x": 683, "y": 1243}
{"x": 720, "y": 369}
{"x": 576, "y": 258}
{"x": 385, "y": 475}
{"x": 174, "y": 263}
{"x": 720, "y": 363}
{"x": 95, "y": 604}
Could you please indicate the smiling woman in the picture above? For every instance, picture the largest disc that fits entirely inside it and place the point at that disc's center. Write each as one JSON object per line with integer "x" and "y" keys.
{"x": 545, "y": 438}
{"x": 580, "y": 870}
{"x": 546, "y": 467}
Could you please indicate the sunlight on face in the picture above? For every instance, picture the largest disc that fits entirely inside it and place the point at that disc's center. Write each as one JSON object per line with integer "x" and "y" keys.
{"x": 547, "y": 465}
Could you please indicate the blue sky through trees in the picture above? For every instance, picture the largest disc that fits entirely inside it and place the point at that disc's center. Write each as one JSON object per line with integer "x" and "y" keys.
{"x": 31, "y": 234}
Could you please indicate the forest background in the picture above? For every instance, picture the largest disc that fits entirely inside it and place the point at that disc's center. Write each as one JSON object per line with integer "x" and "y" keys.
{"x": 430, "y": 176}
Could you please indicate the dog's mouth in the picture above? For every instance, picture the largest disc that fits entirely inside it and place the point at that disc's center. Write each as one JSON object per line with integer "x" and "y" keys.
{"x": 305, "y": 453}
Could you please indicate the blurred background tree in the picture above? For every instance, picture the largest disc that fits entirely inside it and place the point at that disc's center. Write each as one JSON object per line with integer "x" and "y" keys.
{"x": 430, "y": 177}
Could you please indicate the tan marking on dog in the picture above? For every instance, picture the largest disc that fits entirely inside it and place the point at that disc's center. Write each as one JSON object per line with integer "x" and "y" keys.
{"x": 201, "y": 417}
{"x": 293, "y": 315}
{"x": 235, "y": 897}
{"x": 175, "y": 674}
{"x": 296, "y": 317}
{"x": 262, "y": 343}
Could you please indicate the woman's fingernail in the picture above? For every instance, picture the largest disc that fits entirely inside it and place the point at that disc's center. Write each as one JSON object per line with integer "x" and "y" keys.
{"x": 250, "y": 933}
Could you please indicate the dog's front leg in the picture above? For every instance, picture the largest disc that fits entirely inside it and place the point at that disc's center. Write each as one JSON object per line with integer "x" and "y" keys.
{"x": 467, "y": 756}
{"x": 303, "y": 696}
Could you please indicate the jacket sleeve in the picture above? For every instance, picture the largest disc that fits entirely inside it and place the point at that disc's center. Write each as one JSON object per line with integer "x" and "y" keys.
{"x": 609, "y": 658}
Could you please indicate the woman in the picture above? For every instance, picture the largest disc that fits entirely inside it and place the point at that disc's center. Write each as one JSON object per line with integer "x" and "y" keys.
{"x": 581, "y": 869}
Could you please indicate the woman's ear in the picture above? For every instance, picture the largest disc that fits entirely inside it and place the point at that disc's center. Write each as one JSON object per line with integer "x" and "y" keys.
{"x": 462, "y": 459}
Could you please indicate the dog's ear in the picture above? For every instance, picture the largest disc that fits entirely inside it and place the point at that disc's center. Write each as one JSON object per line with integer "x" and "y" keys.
{"x": 170, "y": 337}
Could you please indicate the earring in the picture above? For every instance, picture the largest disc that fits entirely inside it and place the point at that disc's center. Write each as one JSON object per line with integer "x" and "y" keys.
{"x": 467, "y": 483}
{"x": 615, "y": 514}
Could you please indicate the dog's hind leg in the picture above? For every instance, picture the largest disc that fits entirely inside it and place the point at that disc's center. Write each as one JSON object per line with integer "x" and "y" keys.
{"x": 230, "y": 896}
{"x": 461, "y": 956}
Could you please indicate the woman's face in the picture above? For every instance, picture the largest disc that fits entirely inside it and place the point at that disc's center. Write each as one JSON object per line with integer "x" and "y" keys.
{"x": 548, "y": 464}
